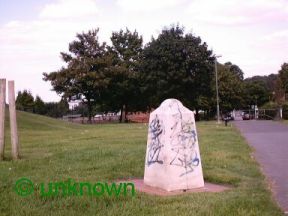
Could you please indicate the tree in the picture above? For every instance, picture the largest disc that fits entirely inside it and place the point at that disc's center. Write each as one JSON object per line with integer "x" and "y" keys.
{"x": 235, "y": 69}
{"x": 57, "y": 109}
{"x": 283, "y": 75}
{"x": 39, "y": 106}
{"x": 80, "y": 109}
{"x": 230, "y": 84}
{"x": 124, "y": 86}
{"x": 25, "y": 101}
{"x": 177, "y": 65}
{"x": 85, "y": 73}
{"x": 255, "y": 93}
{"x": 271, "y": 83}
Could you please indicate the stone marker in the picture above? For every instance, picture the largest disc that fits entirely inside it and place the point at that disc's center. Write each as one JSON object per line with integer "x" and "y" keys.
{"x": 172, "y": 157}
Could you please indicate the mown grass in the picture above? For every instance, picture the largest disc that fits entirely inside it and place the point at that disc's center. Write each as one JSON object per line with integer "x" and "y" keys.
{"x": 53, "y": 150}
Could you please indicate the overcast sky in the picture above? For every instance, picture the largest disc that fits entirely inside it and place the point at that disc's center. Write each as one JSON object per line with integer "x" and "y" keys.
{"x": 252, "y": 34}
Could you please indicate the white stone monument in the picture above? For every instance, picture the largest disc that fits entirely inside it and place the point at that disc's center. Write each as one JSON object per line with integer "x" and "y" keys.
{"x": 172, "y": 157}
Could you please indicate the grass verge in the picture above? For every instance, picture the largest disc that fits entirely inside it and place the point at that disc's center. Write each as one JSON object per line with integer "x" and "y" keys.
{"x": 53, "y": 150}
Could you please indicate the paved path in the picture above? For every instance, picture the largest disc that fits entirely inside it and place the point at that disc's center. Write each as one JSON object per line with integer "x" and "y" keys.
{"x": 270, "y": 141}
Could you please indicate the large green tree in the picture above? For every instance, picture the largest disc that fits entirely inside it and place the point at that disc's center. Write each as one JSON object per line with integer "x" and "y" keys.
{"x": 255, "y": 92}
{"x": 235, "y": 70}
{"x": 283, "y": 75}
{"x": 25, "y": 101}
{"x": 177, "y": 65}
{"x": 123, "y": 89}
{"x": 230, "y": 82}
{"x": 57, "y": 109}
{"x": 271, "y": 83}
{"x": 85, "y": 73}
{"x": 39, "y": 106}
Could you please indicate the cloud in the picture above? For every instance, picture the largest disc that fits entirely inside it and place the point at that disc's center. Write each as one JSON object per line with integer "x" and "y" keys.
{"x": 251, "y": 33}
{"x": 29, "y": 48}
{"x": 238, "y": 12}
{"x": 69, "y": 9}
{"x": 278, "y": 35}
{"x": 147, "y": 5}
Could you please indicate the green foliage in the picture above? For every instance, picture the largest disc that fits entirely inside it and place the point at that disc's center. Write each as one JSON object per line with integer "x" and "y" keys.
{"x": 85, "y": 74}
{"x": 255, "y": 92}
{"x": 285, "y": 110}
{"x": 57, "y": 110}
{"x": 282, "y": 90}
{"x": 235, "y": 70}
{"x": 123, "y": 90}
{"x": 283, "y": 75}
{"x": 25, "y": 101}
{"x": 177, "y": 65}
{"x": 271, "y": 83}
{"x": 81, "y": 109}
{"x": 230, "y": 82}
{"x": 39, "y": 106}
{"x": 270, "y": 105}
{"x": 125, "y": 76}
{"x": 127, "y": 47}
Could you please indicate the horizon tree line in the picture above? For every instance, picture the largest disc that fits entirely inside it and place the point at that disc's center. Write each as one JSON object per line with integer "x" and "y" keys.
{"x": 130, "y": 76}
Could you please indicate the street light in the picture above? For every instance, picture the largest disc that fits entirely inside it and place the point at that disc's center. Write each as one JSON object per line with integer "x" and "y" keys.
{"x": 217, "y": 93}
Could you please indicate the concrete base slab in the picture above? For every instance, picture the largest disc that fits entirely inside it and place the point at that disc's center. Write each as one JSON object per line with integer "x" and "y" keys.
{"x": 141, "y": 187}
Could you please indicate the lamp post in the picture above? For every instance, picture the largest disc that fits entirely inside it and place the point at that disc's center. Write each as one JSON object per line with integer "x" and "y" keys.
{"x": 217, "y": 92}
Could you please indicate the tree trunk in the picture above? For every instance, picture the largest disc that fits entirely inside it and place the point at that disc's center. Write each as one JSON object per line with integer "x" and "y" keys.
{"x": 197, "y": 117}
{"x": 126, "y": 111}
{"x": 89, "y": 106}
{"x": 121, "y": 115}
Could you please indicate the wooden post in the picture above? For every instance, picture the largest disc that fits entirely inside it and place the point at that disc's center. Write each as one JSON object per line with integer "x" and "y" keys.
{"x": 2, "y": 116}
{"x": 13, "y": 120}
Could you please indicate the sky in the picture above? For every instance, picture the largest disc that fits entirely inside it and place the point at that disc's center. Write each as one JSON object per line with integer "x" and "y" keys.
{"x": 252, "y": 34}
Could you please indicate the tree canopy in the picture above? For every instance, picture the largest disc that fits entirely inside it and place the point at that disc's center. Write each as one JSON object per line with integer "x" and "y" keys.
{"x": 39, "y": 106}
{"x": 25, "y": 101}
{"x": 283, "y": 75}
{"x": 123, "y": 89}
{"x": 177, "y": 65}
{"x": 230, "y": 82}
{"x": 255, "y": 93}
{"x": 85, "y": 73}
{"x": 128, "y": 76}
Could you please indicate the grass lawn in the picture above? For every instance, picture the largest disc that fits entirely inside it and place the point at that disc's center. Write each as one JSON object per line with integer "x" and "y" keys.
{"x": 53, "y": 150}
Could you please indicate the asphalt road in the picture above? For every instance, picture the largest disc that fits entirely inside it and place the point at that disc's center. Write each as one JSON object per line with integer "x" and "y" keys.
{"x": 270, "y": 141}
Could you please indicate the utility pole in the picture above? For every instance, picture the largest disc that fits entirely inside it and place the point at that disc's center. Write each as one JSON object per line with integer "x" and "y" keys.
{"x": 13, "y": 121}
{"x": 2, "y": 116}
{"x": 217, "y": 92}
